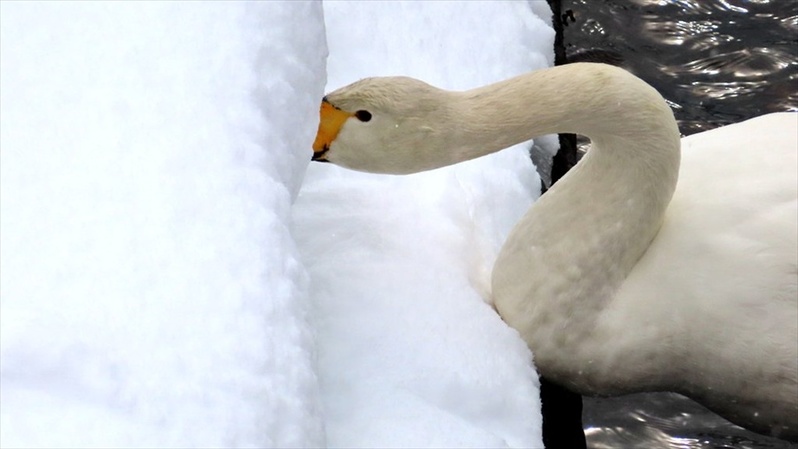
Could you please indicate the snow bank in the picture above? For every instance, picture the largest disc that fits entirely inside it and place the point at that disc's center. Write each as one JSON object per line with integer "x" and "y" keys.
{"x": 410, "y": 353}
{"x": 151, "y": 294}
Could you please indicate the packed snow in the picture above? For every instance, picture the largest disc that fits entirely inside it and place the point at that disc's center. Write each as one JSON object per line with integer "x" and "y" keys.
{"x": 151, "y": 291}
{"x": 175, "y": 272}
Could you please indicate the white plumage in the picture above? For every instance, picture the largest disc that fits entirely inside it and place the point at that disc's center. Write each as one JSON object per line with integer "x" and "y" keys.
{"x": 618, "y": 280}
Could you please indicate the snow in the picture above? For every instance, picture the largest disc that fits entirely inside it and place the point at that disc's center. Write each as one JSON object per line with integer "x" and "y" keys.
{"x": 165, "y": 282}
{"x": 151, "y": 292}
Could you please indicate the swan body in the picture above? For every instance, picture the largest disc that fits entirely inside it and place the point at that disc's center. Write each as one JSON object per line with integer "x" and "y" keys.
{"x": 617, "y": 280}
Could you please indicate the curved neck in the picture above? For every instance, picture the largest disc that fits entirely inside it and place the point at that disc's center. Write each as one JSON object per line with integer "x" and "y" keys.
{"x": 565, "y": 259}
{"x": 595, "y": 100}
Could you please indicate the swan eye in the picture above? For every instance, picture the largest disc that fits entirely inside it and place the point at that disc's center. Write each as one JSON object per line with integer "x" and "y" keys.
{"x": 363, "y": 115}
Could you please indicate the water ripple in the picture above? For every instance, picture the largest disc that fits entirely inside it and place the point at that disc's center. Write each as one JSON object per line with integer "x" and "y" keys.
{"x": 720, "y": 61}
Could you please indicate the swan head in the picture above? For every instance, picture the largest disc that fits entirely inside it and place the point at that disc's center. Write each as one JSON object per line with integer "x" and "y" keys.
{"x": 389, "y": 125}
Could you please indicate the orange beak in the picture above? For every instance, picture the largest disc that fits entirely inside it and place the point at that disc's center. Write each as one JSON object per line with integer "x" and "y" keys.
{"x": 330, "y": 123}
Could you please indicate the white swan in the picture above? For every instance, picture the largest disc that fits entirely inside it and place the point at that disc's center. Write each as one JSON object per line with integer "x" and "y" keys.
{"x": 617, "y": 283}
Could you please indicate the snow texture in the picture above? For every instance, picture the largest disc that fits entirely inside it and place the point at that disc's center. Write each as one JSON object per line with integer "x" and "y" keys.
{"x": 166, "y": 283}
{"x": 151, "y": 292}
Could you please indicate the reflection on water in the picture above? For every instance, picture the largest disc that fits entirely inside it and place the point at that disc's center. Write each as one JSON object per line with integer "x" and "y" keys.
{"x": 664, "y": 420}
{"x": 717, "y": 62}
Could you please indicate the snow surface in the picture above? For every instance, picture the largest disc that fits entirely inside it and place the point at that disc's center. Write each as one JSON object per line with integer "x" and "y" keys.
{"x": 151, "y": 292}
{"x": 159, "y": 289}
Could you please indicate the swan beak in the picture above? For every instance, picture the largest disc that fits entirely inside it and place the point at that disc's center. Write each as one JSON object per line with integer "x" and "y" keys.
{"x": 330, "y": 123}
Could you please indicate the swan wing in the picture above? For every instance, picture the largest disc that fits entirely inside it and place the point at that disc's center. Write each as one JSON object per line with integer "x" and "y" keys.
{"x": 717, "y": 290}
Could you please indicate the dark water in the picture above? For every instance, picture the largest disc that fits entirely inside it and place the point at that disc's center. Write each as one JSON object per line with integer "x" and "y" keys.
{"x": 717, "y": 62}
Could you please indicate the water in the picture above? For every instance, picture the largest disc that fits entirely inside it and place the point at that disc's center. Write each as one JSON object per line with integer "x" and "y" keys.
{"x": 717, "y": 62}
{"x": 664, "y": 420}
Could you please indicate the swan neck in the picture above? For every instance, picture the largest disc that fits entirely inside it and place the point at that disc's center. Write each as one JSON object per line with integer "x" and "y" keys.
{"x": 599, "y": 101}
{"x": 565, "y": 260}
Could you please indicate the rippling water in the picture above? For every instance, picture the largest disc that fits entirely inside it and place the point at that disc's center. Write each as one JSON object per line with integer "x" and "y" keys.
{"x": 717, "y": 62}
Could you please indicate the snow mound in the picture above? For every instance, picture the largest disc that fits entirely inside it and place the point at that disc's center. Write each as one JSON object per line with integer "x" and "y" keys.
{"x": 151, "y": 292}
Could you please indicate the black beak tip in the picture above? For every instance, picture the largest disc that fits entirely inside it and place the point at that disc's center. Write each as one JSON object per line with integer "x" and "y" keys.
{"x": 318, "y": 156}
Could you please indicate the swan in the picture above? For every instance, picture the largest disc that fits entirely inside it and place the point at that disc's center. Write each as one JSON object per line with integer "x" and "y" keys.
{"x": 618, "y": 280}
